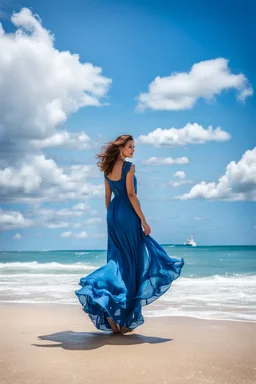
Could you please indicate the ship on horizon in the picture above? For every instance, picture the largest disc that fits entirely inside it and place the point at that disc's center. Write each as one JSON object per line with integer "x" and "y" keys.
{"x": 190, "y": 242}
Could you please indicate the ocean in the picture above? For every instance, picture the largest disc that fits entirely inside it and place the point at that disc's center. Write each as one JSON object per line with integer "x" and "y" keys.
{"x": 216, "y": 283}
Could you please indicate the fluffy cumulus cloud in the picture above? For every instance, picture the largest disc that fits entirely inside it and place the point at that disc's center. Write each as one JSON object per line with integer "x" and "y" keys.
{"x": 238, "y": 182}
{"x": 58, "y": 218}
{"x": 166, "y": 161}
{"x": 180, "y": 174}
{"x": 190, "y": 134}
{"x": 77, "y": 216}
{"x": 182, "y": 90}
{"x": 13, "y": 219}
{"x": 37, "y": 179}
{"x": 41, "y": 86}
{"x": 76, "y": 140}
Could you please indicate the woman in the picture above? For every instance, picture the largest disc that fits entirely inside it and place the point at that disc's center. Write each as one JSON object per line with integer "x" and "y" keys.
{"x": 138, "y": 270}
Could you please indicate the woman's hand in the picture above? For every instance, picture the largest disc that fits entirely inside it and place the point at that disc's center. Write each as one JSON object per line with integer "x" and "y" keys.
{"x": 147, "y": 229}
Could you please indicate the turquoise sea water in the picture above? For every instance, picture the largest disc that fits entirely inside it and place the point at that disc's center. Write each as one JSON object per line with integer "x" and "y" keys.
{"x": 217, "y": 282}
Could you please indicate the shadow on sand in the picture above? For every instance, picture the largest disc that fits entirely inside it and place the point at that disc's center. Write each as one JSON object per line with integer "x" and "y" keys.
{"x": 92, "y": 340}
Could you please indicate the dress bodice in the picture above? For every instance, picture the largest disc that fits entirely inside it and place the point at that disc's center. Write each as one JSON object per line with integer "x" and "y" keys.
{"x": 118, "y": 187}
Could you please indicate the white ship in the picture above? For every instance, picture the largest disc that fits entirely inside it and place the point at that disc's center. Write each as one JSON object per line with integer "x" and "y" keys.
{"x": 190, "y": 242}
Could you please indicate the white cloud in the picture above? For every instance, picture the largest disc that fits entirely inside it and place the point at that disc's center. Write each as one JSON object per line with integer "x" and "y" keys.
{"x": 206, "y": 79}
{"x": 40, "y": 85}
{"x": 81, "y": 206}
{"x": 166, "y": 161}
{"x": 180, "y": 174}
{"x": 176, "y": 184}
{"x": 13, "y": 219}
{"x": 37, "y": 179}
{"x": 65, "y": 212}
{"x": 38, "y": 217}
{"x": 81, "y": 172}
{"x": 81, "y": 235}
{"x": 76, "y": 140}
{"x": 190, "y": 134}
{"x": 17, "y": 236}
{"x": 93, "y": 221}
{"x": 66, "y": 234}
{"x": 238, "y": 182}
{"x": 55, "y": 225}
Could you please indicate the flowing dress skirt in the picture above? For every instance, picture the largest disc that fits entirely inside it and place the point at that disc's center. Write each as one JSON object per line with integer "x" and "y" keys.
{"x": 138, "y": 271}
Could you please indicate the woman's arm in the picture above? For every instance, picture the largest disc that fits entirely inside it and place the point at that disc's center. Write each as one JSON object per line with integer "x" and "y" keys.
{"x": 132, "y": 195}
{"x": 108, "y": 193}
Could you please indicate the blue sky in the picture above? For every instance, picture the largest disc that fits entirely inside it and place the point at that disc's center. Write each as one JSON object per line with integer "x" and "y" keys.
{"x": 179, "y": 66}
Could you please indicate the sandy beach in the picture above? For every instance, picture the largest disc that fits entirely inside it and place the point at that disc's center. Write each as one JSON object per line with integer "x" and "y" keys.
{"x": 59, "y": 344}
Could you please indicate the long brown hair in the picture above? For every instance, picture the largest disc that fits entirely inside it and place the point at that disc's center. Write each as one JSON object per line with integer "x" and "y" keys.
{"x": 110, "y": 153}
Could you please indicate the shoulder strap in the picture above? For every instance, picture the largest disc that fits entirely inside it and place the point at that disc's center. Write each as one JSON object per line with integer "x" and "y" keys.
{"x": 127, "y": 167}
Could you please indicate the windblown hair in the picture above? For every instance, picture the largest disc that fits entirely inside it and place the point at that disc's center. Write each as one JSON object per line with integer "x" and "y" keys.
{"x": 110, "y": 153}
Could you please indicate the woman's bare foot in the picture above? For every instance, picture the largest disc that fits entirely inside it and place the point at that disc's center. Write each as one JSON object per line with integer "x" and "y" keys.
{"x": 124, "y": 329}
{"x": 114, "y": 326}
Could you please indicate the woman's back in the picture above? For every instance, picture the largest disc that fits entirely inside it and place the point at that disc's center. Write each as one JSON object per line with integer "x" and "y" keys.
{"x": 118, "y": 186}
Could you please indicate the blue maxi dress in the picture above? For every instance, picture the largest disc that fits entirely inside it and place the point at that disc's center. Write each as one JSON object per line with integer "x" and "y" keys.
{"x": 138, "y": 270}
